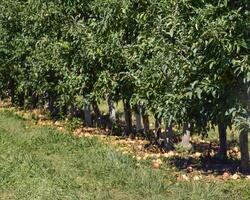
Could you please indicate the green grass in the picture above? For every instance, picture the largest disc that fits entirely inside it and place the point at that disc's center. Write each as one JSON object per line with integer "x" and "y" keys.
{"x": 40, "y": 163}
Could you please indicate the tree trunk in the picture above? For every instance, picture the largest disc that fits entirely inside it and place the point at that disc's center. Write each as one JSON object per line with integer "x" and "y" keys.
{"x": 21, "y": 99}
{"x": 128, "y": 117}
{"x": 138, "y": 118}
{"x": 111, "y": 108}
{"x": 168, "y": 143}
{"x": 98, "y": 114}
{"x": 96, "y": 109}
{"x": 34, "y": 100}
{"x": 223, "y": 139}
{"x": 65, "y": 109}
{"x": 51, "y": 105}
{"x": 185, "y": 140}
{"x": 245, "y": 165}
{"x": 169, "y": 131}
{"x": 87, "y": 115}
{"x": 12, "y": 91}
{"x": 145, "y": 119}
{"x": 157, "y": 127}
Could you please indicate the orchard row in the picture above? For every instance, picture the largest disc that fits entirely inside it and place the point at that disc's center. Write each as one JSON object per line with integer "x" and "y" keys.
{"x": 185, "y": 62}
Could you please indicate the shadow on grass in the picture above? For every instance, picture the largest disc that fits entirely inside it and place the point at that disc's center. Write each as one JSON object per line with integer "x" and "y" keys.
{"x": 205, "y": 165}
{"x": 210, "y": 161}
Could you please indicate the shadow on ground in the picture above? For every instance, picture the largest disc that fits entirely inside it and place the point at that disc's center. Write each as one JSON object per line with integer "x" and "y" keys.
{"x": 208, "y": 160}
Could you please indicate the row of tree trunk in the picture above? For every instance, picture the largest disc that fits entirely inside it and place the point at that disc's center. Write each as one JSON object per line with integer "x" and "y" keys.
{"x": 142, "y": 118}
{"x": 142, "y": 123}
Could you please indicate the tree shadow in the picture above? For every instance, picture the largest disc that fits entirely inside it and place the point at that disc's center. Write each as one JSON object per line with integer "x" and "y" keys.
{"x": 208, "y": 160}
{"x": 205, "y": 165}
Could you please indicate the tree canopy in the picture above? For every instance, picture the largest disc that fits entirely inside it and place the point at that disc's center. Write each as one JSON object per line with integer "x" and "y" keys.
{"x": 185, "y": 61}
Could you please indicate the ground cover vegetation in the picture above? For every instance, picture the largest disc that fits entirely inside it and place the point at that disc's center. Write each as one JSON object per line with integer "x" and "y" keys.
{"x": 42, "y": 163}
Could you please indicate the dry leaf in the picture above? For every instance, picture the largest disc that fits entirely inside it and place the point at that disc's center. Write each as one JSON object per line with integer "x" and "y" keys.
{"x": 185, "y": 177}
{"x": 225, "y": 175}
{"x": 235, "y": 176}
{"x": 197, "y": 154}
{"x": 196, "y": 178}
{"x": 138, "y": 158}
{"x": 155, "y": 164}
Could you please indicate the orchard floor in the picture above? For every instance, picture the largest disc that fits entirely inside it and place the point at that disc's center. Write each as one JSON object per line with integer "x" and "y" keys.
{"x": 42, "y": 163}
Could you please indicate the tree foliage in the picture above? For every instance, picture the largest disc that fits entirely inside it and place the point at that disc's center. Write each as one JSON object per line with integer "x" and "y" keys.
{"x": 185, "y": 61}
